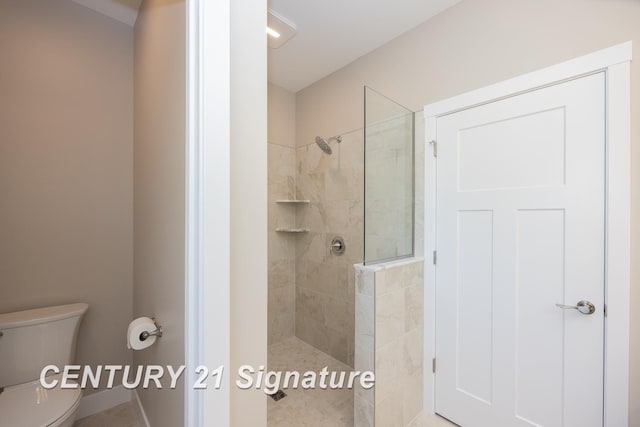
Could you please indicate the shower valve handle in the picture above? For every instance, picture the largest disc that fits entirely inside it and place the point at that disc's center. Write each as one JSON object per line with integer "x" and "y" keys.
{"x": 337, "y": 246}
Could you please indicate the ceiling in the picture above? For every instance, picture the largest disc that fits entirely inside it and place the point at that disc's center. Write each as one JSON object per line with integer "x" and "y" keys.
{"x": 329, "y": 33}
{"x": 333, "y": 33}
{"x": 125, "y": 11}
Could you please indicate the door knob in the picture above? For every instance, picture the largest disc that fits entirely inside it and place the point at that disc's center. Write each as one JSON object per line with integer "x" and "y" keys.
{"x": 584, "y": 307}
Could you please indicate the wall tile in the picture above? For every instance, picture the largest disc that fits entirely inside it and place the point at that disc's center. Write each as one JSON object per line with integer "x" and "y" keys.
{"x": 281, "y": 267}
{"x": 364, "y": 282}
{"x": 412, "y": 392}
{"x": 334, "y": 185}
{"x": 365, "y": 322}
{"x": 338, "y": 346}
{"x": 281, "y": 273}
{"x": 412, "y": 352}
{"x": 413, "y": 307}
{"x": 388, "y": 369}
{"x": 311, "y": 331}
{"x": 393, "y": 292}
{"x": 389, "y": 322}
{"x": 363, "y": 412}
{"x": 280, "y": 327}
{"x": 339, "y": 314}
{"x": 280, "y": 300}
{"x": 388, "y": 413}
{"x": 310, "y": 304}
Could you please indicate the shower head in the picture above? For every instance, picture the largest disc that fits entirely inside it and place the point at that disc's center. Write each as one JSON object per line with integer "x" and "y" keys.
{"x": 324, "y": 143}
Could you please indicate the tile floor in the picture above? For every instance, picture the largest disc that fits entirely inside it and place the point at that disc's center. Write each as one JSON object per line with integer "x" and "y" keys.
{"x": 308, "y": 408}
{"x": 423, "y": 420}
{"x": 119, "y": 416}
{"x": 301, "y": 408}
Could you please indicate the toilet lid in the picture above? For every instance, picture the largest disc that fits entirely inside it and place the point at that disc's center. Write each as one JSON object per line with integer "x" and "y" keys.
{"x": 32, "y": 405}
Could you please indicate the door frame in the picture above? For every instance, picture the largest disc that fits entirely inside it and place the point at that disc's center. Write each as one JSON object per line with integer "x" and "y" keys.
{"x": 225, "y": 208}
{"x": 208, "y": 202}
{"x": 615, "y": 62}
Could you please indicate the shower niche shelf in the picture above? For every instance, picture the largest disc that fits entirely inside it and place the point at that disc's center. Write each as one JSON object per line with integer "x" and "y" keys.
{"x": 293, "y": 202}
{"x": 292, "y": 230}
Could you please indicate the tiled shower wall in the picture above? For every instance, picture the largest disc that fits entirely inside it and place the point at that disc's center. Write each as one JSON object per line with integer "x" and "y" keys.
{"x": 389, "y": 341}
{"x": 311, "y": 291}
{"x": 325, "y": 301}
{"x": 282, "y": 246}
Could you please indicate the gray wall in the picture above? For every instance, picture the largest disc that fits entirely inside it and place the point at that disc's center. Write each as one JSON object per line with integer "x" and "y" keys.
{"x": 474, "y": 44}
{"x": 66, "y": 135}
{"x": 159, "y": 194}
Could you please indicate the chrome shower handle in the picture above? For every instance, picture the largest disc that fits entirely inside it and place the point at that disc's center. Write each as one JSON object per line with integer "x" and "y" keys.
{"x": 337, "y": 246}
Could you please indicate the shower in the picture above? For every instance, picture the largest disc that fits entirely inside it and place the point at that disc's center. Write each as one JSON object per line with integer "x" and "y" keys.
{"x": 324, "y": 143}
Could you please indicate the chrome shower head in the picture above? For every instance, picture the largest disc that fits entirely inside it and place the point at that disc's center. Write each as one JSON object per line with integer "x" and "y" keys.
{"x": 324, "y": 143}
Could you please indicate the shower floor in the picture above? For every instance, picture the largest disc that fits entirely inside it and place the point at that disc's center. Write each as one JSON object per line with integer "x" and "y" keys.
{"x": 308, "y": 408}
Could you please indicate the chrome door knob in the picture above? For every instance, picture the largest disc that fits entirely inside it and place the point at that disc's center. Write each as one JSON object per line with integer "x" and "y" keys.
{"x": 584, "y": 307}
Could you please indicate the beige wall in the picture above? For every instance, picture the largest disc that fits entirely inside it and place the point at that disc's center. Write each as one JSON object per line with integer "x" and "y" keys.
{"x": 159, "y": 194}
{"x": 66, "y": 129}
{"x": 473, "y": 44}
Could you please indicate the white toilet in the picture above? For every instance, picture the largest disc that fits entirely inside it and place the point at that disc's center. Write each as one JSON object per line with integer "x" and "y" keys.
{"x": 29, "y": 341}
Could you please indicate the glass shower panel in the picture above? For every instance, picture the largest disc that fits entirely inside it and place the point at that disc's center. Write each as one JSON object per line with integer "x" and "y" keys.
{"x": 389, "y": 179}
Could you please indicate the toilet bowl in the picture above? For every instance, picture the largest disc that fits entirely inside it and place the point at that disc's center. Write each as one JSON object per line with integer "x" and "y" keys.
{"x": 29, "y": 341}
{"x": 31, "y": 405}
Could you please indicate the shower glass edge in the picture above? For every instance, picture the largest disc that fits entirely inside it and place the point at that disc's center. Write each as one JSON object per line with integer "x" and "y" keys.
{"x": 389, "y": 179}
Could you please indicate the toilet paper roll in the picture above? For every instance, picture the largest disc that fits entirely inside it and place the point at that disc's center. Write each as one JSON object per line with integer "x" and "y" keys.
{"x": 136, "y": 328}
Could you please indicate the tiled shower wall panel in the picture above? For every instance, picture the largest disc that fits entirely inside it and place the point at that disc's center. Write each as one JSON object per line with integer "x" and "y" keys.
{"x": 325, "y": 300}
{"x": 282, "y": 246}
{"x": 389, "y": 338}
{"x": 364, "y": 353}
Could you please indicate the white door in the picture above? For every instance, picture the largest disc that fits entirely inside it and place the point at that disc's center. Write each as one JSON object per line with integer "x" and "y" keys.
{"x": 520, "y": 228}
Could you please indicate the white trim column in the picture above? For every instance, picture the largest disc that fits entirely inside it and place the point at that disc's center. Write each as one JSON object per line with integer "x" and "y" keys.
{"x": 618, "y": 246}
{"x": 208, "y": 259}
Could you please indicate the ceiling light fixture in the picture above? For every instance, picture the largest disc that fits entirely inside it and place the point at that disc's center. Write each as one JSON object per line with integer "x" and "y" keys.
{"x": 273, "y": 33}
{"x": 279, "y": 30}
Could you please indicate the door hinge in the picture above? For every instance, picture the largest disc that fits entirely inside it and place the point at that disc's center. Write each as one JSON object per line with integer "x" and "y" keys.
{"x": 433, "y": 365}
{"x": 605, "y": 310}
{"x": 434, "y": 143}
{"x": 435, "y": 257}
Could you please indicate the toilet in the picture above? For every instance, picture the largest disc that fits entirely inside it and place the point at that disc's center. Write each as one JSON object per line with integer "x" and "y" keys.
{"x": 29, "y": 341}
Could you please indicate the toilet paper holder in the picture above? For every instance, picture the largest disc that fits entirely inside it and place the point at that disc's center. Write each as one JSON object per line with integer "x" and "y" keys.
{"x": 157, "y": 332}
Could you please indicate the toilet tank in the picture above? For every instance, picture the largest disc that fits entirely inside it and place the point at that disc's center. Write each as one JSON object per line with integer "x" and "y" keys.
{"x": 33, "y": 339}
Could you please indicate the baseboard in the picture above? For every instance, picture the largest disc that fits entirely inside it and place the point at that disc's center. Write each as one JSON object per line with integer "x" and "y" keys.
{"x": 139, "y": 410}
{"x": 103, "y": 400}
